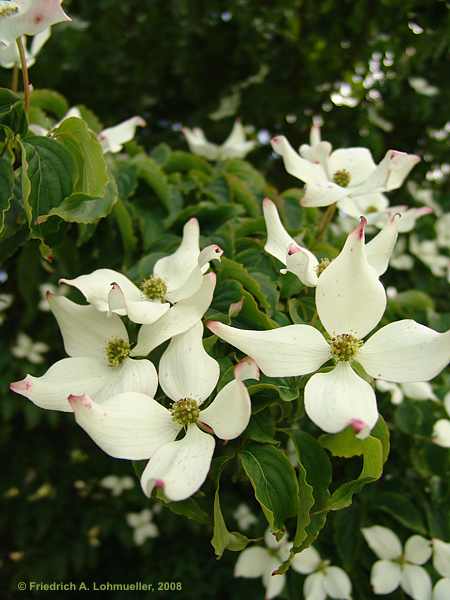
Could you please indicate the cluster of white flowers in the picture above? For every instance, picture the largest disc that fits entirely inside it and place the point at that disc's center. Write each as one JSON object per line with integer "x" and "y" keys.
{"x": 143, "y": 526}
{"x": 403, "y": 567}
{"x": 322, "y": 581}
{"x": 235, "y": 146}
{"x": 111, "y": 391}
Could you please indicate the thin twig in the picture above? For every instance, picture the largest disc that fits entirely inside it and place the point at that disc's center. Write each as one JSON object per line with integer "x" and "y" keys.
{"x": 26, "y": 81}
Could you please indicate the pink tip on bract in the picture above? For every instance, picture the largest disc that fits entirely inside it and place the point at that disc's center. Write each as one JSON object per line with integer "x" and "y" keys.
{"x": 426, "y": 210}
{"x": 159, "y": 483}
{"x": 276, "y": 139}
{"x": 267, "y": 202}
{"x": 206, "y": 427}
{"x": 21, "y": 387}
{"x": 83, "y": 399}
{"x": 115, "y": 286}
{"x": 217, "y": 249}
{"x": 235, "y": 308}
{"x": 293, "y": 249}
{"x": 361, "y": 227}
{"x": 213, "y": 325}
{"x": 358, "y": 425}
{"x": 246, "y": 369}
{"x": 49, "y": 295}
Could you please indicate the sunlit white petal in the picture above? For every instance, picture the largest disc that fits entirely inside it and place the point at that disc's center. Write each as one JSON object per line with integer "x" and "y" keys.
{"x": 383, "y": 542}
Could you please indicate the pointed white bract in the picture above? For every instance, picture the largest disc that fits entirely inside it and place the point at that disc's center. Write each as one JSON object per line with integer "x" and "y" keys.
{"x": 29, "y": 17}
{"x": 98, "y": 366}
{"x": 346, "y": 176}
{"x": 175, "y": 278}
{"x": 235, "y": 146}
{"x": 9, "y": 55}
{"x": 398, "y": 566}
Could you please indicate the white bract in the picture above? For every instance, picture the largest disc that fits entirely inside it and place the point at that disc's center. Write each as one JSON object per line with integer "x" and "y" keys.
{"x": 9, "y": 55}
{"x": 111, "y": 139}
{"x": 99, "y": 363}
{"x": 441, "y": 590}
{"x": 419, "y": 390}
{"x": 441, "y": 429}
{"x": 143, "y": 526}
{"x": 398, "y": 566}
{"x": 134, "y": 426}
{"x": 304, "y": 264}
{"x": 442, "y": 227}
{"x": 323, "y": 580}
{"x": 347, "y": 176}
{"x": 422, "y": 86}
{"x": 28, "y": 17}
{"x": 350, "y": 301}
{"x": 177, "y": 277}
{"x": 29, "y": 350}
{"x": 235, "y": 146}
{"x": 441, "y": 557}
{"x": 47, "y": 289}
{"x": 117, "y": 485}
{"x": 244, "y": 517}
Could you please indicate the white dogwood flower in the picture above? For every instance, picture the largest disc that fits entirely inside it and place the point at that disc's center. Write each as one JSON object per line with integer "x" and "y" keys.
{"x": 28, "y": 17}
{"x": 350, "y": 301}
{"x": 419, "y": 390}
{"x": 143, "y": 526}
{"x": 323, "y": 580}
{"x": 441, "y": 429}
{"x": 111, "y": 139}
{"x": 244, "y": 517}
{"x": 176, "y": 277}
{"x": 47, "y": 289}
{"x": 422, "y": 86}
{"x": 398, "y": 566}
{"x": 424, "y": 196}
{"x": 304, "y": 264}
{"x": 347, "y": 176}
{"x": 428, "y": 252}
{"x": 9, "y": 55}
{"x": 235, "y": 146}
{"x": 99, "y": 363}
{"x": 29, "y": 350}
{"x": 117, "y": 485}
{"x": 441, "y": 590}
{"x": 441, "y": 556}
{"x": 134, "y": 426}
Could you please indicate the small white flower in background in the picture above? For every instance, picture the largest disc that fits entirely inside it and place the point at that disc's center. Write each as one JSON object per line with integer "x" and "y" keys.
{"x": 99, "y": 363}
{"x": 391, "y": 291}
{"x": 135, "y": 427}
{"x": 29, "y": 350}
{"x": 5, "y": 302}
{"x": 442, "y": 227}
{"x": 424, "y": 196}
{"x": 143, "y": 526}
{"x": 9, "y": 55}
{"x": 323, "y": 580}
{"x": 441, "y": 557}
{"x": 117, "y": 485}
{"x": 441, "y": 429}
{"x": 235, "y": 146}
{"x": 422, "y": 86}
{"x": 302, "y": 263}
{"x": 350, "y": 301}
{"x": 175, "y": 277}
{"x": 419, "y": 390}
{"x": 111, "y": 139}
{"x": 398, "y": 566}
{"x": 347, "y": 176}
{"x": 244, "y": 517}
{"x": 441, "y": 590}
{"x": 28, "y": 17}
{"x": 428, "y": 252}
{"x": 48, "y": 288}
{"x": 400, "y": 258}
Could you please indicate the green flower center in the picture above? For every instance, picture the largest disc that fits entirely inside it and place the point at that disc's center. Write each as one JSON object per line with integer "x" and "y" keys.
{"x": 323, "y": 264}
{"x": 185, "y": 412}
{"x": 8, "y": 8}
{"x": 154, "y": 288}
{"x": 117, "y": 350}
{"x": 344, "y": 347}
{"x": 342, "y": 178}
{"x": 371, "y": 209}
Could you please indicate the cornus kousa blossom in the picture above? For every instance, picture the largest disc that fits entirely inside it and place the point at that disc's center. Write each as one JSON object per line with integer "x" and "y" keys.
{"x": 99, "y": 363}
{"x": 350, "y": 301}
{"x": 28, "y": 17}
{"x": 134, "y": 426}
{"x": 347, "y": 176}
{"x": 235, "y": 146}
{"x": 111, "y": 139}
{"x": 302, "y": 263}
{"x": 419, "y": 390}
{"x": 9, "y": 55}
{"x": 323, "y": 580}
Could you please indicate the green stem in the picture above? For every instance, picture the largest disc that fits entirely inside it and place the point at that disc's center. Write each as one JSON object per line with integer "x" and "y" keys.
{"x": 15, "y": 79}
{"x": 26, "y": 80}
{"x": 326, "y": 220}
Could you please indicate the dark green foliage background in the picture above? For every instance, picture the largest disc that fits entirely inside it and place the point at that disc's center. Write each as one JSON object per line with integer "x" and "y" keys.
{"x": 172, "y": 62}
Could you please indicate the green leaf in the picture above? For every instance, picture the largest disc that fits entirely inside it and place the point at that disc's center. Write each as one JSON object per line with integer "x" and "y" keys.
{"x": 346, "y": 444}
{"x": 244, "y": 171}
{"x": 189, "y": 508}
{"x": 273, "y": 479}
{"x": 345, "y": 523}
{"x": 233, "y": 270}
{"x": 242, "y": 195}
{"x": 6, "y": 189}
{"x": 410, "y": 301}
{"x": 262, "y": 428}
{"x": 222, "y": 538}
{"x": 12, "y": 113}
{"x": 125, "y": 224}
{"x": 91, "y": 170}
{"x": 184, "y": 161}
{"x": 50, "y": 101}
{"x": 402, "y": 509}
{"x": 152, "y": 174}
